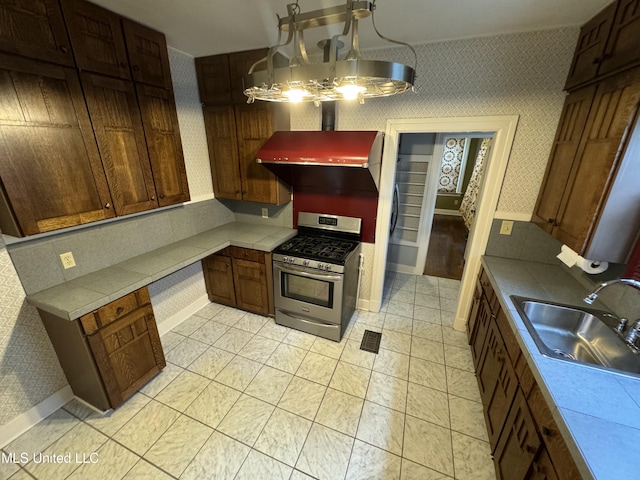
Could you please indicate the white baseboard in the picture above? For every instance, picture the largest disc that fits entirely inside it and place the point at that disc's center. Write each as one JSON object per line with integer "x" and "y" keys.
{"x": 363, "y": 304}
{"x": 16, "y": 427}
{"x": 179, "y": 317}
{"x": 398, "y": 268}
{"x": 442, "y": 211}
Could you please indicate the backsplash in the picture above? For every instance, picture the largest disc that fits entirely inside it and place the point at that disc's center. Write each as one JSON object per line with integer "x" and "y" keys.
{"x": 530, "y": 243}
{"x": 95, "y": 247}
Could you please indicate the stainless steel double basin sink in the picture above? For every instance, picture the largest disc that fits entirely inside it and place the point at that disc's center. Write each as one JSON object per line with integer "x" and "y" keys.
{"x": 576, "y": 334}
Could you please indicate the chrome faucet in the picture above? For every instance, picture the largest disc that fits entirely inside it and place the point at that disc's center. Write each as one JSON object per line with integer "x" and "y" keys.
{"x": 594, "y": 295}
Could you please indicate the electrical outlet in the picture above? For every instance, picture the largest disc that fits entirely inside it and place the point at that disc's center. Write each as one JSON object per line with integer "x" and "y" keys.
{"x": 507, "y": 227}
{"x": 265, "y": 213}
{"x": 67, "y": 260}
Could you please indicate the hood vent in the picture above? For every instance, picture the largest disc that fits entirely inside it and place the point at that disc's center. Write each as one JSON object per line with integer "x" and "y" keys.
{"x": 347, "y": 159}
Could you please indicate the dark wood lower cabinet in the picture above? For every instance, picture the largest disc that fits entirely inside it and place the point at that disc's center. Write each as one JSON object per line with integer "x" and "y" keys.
{"x": 218, "y": 277}
{"x": 518, "y": 444}
{"x": 524, "y": 438}
{"x": 240, "y": 277}
{"x": 108, "y": 354}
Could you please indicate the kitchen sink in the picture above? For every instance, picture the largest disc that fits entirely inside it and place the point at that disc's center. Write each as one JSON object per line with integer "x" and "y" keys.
{"x": 577, "y": 334}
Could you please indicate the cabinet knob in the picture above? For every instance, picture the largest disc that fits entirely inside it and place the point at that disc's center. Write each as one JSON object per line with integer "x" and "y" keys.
{"x": 547, "y": 432}
{"x": 153, "y": 197}
{"x": 531, "y": 449}
{"x": 108, "y": 205}
{"x": 119, "y": 310}
{"x": 551, "y": 220}
{"x": 64, "y": 48}
{"x": 597, "y": 60}
{"x": 161, "y": 195}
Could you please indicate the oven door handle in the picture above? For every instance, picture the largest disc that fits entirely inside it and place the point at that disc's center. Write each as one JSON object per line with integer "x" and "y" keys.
{"x": 310, "y": 322}
{"x": 305, "y": 273}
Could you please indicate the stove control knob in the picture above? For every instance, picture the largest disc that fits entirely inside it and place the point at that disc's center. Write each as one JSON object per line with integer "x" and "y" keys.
{"x": 320, "y": 266}
{"x": 327, "y": 267}
{"x": 305, "y": 263}
{"x": 285, "y": 259}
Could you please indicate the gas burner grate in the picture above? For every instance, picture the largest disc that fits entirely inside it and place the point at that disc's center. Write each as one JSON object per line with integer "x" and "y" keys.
{"x": 371, "y": 341}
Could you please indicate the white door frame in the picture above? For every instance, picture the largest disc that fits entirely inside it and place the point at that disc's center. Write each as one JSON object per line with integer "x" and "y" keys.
{"x": 504, "y": 128}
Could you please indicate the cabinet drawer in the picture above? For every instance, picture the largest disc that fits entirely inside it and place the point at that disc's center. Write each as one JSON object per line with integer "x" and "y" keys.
{"x": 247, "y": 254}
{"x": 561, "y": 458}
{"x": 114, "y": 310}
{"x": 510, "y": 342}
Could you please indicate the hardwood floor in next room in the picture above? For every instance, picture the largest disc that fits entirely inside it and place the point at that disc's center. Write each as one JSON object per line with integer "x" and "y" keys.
{"x": 445, "y": 257}
{"x": 244, "y": 398}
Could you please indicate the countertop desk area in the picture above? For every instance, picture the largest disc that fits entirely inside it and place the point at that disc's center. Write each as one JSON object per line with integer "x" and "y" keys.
{"x": 74, "y": 298}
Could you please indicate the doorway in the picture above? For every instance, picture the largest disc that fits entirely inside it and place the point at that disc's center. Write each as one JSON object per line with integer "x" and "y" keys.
{"x": 503, "y": 128}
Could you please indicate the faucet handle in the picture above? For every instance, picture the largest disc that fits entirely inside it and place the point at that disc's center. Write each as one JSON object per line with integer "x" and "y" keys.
{"x": 622, "y": 325}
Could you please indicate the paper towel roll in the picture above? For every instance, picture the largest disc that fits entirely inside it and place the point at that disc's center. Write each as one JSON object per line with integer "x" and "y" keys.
{"x": 591, "y": 266}
{"x": 571, "y": 258}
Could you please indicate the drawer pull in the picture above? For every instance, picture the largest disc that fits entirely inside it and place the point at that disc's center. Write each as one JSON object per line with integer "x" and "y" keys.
{"x": 531, "y": 449}
{"x": 119, "y": 310}
{"x": 547, "y": 432}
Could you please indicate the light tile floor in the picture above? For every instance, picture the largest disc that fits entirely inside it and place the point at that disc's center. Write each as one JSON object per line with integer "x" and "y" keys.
{"x": 244, "y": 398}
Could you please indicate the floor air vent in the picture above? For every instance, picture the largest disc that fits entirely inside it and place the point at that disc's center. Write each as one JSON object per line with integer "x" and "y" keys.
{"x": 371, "y": 341}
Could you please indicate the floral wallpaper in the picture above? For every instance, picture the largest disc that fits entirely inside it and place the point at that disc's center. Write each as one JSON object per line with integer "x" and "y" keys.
{"x": 450, "y": 164}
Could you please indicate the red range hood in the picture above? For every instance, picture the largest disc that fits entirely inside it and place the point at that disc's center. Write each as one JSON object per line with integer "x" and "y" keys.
{"x": 348, "y": 160}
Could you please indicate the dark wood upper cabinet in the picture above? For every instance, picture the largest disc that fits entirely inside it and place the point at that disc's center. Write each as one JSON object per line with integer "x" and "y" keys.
{"x": 97, "y": 38}
{"x": 563, "y": 153}
{"x": 222, "y": 141}
{"x": 148, "y": 55}
{"x": 114, "y": 112}
{"x": 214, "y": 79}
{"x": 623, "y": 47}
{"x": 51, "y": 172}
{"x": 35, "y": 29}
{"x": 590, "y": 48}
{"x": 255, "y": 123}
{"x": 612, "y": 114}
{"x": 239, "y": 65}
{"x": 160, "y": 122}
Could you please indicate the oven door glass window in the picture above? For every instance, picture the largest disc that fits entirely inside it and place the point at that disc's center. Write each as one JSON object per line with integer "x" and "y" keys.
{"x": 309, "y": 290}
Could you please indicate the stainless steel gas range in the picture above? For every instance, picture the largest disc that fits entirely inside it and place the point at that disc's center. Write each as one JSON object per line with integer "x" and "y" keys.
{"x": 315, "y": 275}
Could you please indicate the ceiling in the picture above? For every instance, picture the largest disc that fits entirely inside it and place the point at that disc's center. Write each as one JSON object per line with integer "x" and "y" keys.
{"x": 207, "y": 27}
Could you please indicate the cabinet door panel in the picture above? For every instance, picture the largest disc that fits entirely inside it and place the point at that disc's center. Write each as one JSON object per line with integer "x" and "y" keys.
{"x": 147, "y": 54}
{"x": 551, "y": 436}
{"x": 128, "y": 353}
{"x": 542, "y": 468}
{"x": 35, "y": 29}
{"x": 481, "y": 326}
{"x": 498, "y": 383}
{"x": 250, "y": 280}
{"x": 239, "y": 65}
{"x": 590, "y": 48}
{"x": 563, "y": 154}
{"x": 115, "y": 115}
{"x": 613, "y": 109}
{"x": 97, "y": 38}
{"x": 218, "y": 276}
{"x": 519, "y": 443}
{"x": 222, "y": 141}
{"x": 254, "y": 124}
{"x": 50, "y": 167}
{"x": 623, "y": 46}
{"x": 160, "y": 121}
{"x": 214, "y": 81}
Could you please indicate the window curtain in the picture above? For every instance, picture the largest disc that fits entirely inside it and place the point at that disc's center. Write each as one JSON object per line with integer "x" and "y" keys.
{"x": 468, "y": 204}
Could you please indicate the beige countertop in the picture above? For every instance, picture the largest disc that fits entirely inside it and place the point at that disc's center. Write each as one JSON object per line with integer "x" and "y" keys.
{"x": 72, "y": 299}
{"x": 597, "y": 410}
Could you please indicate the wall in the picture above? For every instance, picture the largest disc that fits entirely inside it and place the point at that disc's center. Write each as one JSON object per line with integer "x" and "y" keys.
{"x": 529, "y": 242}
{"x": 521, "y": 74}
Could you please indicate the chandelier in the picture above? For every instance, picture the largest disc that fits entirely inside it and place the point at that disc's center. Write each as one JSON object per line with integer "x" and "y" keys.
{"x": 349, "y": 78}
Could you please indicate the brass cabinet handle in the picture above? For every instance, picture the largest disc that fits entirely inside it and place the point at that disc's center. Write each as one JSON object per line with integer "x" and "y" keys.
{"x": 153, "y": 197}
{"x": 108, "y": 205}
{"x": 119, "y": 310}
{"x": 547, "y": 432}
